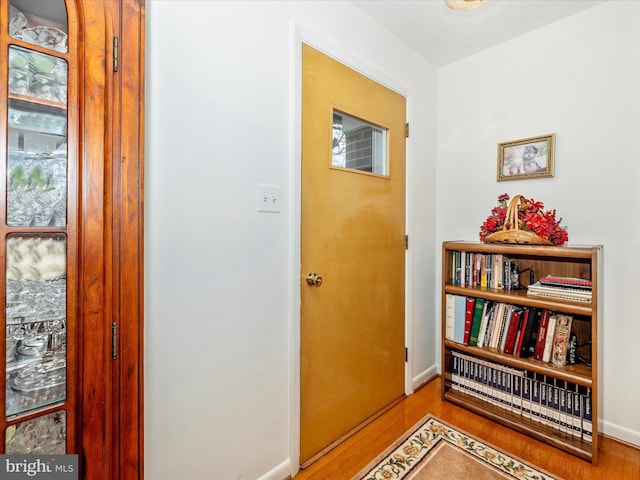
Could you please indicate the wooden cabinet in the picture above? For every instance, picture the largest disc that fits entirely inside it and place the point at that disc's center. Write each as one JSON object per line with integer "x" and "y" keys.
{"x": 71, "y": 231}
{"x": 471, "y": 372}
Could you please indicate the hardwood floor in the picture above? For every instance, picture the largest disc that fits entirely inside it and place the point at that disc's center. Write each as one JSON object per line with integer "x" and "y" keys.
{"x": 616, "y": 460}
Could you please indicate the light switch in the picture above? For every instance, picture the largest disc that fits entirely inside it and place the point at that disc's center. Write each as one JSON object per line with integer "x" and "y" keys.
{"x": 268, "y": 198}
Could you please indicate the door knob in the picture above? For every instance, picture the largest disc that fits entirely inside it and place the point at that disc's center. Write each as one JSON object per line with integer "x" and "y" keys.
{"x": 314, "y": 280}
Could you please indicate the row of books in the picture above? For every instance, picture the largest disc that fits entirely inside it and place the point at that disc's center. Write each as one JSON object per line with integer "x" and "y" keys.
{"x": 559, "y": 404}
{"x": 565, "y": 288}
{"x": 512, "y": 329}
{"x": 471, "y": 269}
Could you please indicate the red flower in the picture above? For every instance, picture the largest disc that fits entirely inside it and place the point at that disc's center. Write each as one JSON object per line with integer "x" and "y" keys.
{"x": 531, "y": 216}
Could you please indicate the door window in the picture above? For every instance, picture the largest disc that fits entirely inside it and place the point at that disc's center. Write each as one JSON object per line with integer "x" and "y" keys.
{"x": 358, "y": 145}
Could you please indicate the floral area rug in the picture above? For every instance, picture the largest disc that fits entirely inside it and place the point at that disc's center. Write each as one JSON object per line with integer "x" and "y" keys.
{"x": 435, "y": 450}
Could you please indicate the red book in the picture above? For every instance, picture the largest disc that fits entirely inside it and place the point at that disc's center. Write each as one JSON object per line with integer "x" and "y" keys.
{"x": 521, "y": 329}
{"x": 542, "y": 334}
{"x": 468, "y": 319}
{"x": 514, "y": 326}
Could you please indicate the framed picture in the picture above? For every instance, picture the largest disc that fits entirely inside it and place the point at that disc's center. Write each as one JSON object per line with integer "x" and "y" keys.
{"x": 526, "y": 158}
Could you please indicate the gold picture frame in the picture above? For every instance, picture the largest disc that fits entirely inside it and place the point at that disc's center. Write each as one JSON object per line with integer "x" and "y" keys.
{"x": 526, "y": 158}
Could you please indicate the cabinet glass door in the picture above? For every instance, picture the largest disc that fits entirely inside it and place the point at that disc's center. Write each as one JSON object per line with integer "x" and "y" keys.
{"x": 37, "y": 231}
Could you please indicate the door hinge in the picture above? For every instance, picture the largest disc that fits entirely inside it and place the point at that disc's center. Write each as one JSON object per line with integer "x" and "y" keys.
{"x": 114, "y": 341}
{"x": 406, "y": 242}
{"x": 406, "y": 130}
{"x": 406, "y": 354}
{"x": 115, "y": 54}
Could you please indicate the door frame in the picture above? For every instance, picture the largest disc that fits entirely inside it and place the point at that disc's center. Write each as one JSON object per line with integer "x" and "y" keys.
{"x": 300, "y": 35}
{"x": 124, "y": 243}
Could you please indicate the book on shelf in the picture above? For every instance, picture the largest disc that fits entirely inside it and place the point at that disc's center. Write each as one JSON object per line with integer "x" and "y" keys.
{"x": 502, "y": 337}
{"x": 577, "y": 411}
{"x": 459, "y": 318}
{"x": 468, "y": 318}
{"x": 469, "y": 376}
{"x": 566, "y": 282}
{"x": 530, "y": 334}
{"x": 508, "y": 387}
{"x": 558, "y": 288}
{"x": 476, "y": 266}
{"x": 512, "y": 333}
{"x": 486, "y": 379}
{"x": 571, "y": 419}
{"x": 478, "y": 378}
{"x": 498, "y": 325}
{"x": 568, "y": 393}
{"x": 537, "y": 289}
{"x": 498, "y": 386}
{"x": 564, "y": 422}
{"x": 455, "y": 371}
{"x": 559, "y": 296}
{"x": 549, "y": 381}
{"x": 587, "y": 421}
{"x": 521, "y": 330}
{"x": 450, "y": 314}
{"x": 464, "y": 374}
{"x": 486, "y": 390}
{"x": 507, "y": 281}
{"x": 491, "y": 383}
{"x": 497, "y": 271}
{"x": 517, "y": 392}
{"x": 478, "y": 311}
{"x": 455, "y": 268}
{"x": 463, "y": 268}
{"x": 541, "y": 336}
{"x": 484, "y": 271}
{"x": 486, "y": 317}
{"x": 561, "y": 339}
{"x": 526, "y": 396}
{"x": 535, "y": 397}
{"x": 544, "y": 412}
{"x": 548, "y": 341}
{"x": 555, "y": 397}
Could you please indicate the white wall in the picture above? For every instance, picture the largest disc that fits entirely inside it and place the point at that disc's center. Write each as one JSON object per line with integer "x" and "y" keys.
{"x": 222, "y": 115}
{"x": 577, "y": 78}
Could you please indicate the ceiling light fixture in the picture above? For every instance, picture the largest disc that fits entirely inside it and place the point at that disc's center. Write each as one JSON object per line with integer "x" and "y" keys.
{"x": 465, "y": 4}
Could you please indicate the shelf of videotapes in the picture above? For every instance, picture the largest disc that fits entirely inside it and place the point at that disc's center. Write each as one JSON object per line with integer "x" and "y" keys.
{"x": 555, "y": 410}
{"x": 524, "y": 359}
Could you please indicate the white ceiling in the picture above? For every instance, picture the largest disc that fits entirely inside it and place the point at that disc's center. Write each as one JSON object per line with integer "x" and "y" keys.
{"x": 443, "y": 36}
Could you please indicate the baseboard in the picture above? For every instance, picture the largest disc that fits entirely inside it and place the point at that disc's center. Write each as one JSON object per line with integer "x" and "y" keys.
{"x": 620, "y": 433}
{"x": 425, "y": 376}
{"x": 280, "y": 472}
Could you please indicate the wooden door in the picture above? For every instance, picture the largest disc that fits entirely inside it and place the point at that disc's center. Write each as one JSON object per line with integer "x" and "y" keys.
{"x": 353, "y": 237}
{"x": 72, "y": 179}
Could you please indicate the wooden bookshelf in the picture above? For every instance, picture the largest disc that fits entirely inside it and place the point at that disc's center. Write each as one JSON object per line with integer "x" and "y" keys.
{"x": 566, "y": 261}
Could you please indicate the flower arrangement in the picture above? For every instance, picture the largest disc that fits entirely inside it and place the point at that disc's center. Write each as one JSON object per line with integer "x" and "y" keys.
{"x": 531, "y": 217}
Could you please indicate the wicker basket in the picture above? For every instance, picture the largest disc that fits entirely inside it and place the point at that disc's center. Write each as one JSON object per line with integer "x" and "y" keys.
{"x": 511, "y": 232}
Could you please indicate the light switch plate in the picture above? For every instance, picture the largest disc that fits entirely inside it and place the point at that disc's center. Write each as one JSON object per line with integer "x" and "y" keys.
{"x": 268, "y": 198}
